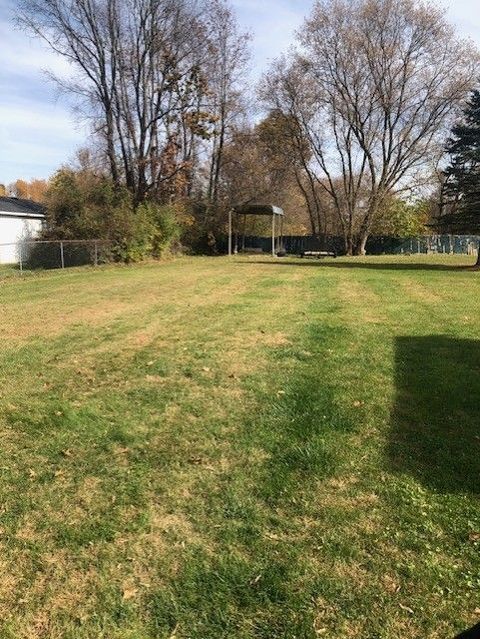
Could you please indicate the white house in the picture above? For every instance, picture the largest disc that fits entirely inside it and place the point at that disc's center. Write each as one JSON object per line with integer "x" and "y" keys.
{"x": 20, "y": 220}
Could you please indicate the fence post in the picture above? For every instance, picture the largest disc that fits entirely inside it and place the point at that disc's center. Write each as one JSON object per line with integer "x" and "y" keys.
{"x": 96, "y": 254}
{"x": 61, "y": 255}
{"x": 20, "y": 258}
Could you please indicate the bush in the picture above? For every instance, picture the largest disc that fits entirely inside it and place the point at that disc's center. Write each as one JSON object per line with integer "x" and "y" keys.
{"x": 84, "y": 206}
{"x": 165, "y": 229}
{"x": 130, "y": 234}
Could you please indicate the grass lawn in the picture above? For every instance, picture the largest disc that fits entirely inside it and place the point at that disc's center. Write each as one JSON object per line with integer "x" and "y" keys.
{"x": 239, "y": 449}
{"x": 8, "y": 270}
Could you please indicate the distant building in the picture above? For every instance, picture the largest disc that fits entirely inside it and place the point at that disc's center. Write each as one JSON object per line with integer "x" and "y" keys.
{"x": 20, "y": 220}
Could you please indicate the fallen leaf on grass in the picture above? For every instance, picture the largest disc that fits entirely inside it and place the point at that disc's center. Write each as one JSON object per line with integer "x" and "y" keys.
{"x": 129, "y": 593}
{"x": 272, "y": 536}
{"x": 407, "y": 609}
{"x": 154, "y": 378}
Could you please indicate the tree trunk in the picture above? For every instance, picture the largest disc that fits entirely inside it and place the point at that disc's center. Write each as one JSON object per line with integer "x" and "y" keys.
{"x": 111, "y": 154}
{"x": 322, "y": 238}
{"x": 478, "y": 257}
{"x": 349, "y": 244}
{"x": 361, "y": 244}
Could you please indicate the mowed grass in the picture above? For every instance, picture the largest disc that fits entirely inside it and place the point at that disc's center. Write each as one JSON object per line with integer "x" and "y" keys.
{"x": 245, "y": 448}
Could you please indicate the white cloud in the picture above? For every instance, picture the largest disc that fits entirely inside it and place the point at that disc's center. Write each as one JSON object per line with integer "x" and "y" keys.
{"x": 40, "y": 119}
{"x": 37, "y": 129}
{"x": 273, "y": 24}
{"x": 25, "y": 56}
{"x": 465, "y": 15}
{"x": 36, "y": 139}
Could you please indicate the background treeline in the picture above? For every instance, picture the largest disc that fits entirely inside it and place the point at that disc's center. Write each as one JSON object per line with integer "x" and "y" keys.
{"x": 346, "y": 132}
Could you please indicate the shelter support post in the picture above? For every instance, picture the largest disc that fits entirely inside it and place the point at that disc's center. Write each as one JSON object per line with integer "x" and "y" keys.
{"x": 230, "y": 231}
{"x": 273, "y": 235}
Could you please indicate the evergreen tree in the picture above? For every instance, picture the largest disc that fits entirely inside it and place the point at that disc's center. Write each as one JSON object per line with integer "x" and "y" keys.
{"x": 462, "y": 177}
{"x": 462, "y": 185}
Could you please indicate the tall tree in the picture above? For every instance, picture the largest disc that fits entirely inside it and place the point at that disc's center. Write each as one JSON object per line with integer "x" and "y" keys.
{"x": 463, "y": 173}
{"x": 376, "y": 85}
{"x": 229, "y": 57}
{"x": 282, "y": 133}
{"x": 27, "y": 189}
{"x": 141, "y": 72}
{"x": 257, "y": 167}
{"x": 18, "y": 189}
{"x": 462, "y": 177}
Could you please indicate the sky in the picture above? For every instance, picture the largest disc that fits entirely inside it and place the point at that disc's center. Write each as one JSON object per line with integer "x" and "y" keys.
{"x": 38, "y": 129}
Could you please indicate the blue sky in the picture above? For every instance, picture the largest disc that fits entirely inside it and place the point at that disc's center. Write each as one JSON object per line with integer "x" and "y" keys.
{"x": 38, "y": 131}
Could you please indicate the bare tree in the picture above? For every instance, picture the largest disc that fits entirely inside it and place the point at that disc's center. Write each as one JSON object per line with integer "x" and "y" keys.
{"x": 374, "y": 86}
{"x": 229, "y": 58}
{"x": 257, "y": 168}
{"x": 141, "y": 73}
{"x": 283, "y": 91}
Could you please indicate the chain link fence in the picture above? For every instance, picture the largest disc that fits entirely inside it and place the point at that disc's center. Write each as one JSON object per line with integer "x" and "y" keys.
{"x": 34, "y": 255}
{"x": 376, "y": 245}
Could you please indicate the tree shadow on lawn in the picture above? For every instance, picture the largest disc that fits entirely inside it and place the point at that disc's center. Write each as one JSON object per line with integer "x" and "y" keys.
{"x": 374, "y": 266}
{"x": 435, "y": 434}
{"x": 472, "y": 633}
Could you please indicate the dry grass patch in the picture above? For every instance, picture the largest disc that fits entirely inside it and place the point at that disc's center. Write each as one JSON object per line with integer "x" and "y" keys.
{"x": 418, "y": 292}
{"x": 361, "y": 304}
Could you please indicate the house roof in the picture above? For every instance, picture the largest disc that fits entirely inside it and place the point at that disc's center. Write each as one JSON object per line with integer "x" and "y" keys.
{"x": 16, "y": 207}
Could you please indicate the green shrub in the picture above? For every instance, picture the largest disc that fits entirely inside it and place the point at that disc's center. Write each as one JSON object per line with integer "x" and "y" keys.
{"x": 85, "y": 206}
{"x": 166, "y": 230}
{"x": 131, "y": 234}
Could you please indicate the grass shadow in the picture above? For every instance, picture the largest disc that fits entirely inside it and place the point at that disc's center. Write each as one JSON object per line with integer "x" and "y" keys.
{"x": 472, "y": 633}
{"x": 435, "y": 435}
{"x": 352, "y": 263}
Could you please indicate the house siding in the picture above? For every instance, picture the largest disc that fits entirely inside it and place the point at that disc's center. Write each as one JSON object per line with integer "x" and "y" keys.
{"x": 14, "y": 230}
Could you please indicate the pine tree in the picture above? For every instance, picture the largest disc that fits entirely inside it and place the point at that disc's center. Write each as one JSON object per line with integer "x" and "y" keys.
{"x": 463, "y": 175}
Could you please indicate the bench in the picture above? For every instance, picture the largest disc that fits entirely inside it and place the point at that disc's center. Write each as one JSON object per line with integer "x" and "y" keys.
{"x": 318, "y": 254}
{"x": 251, "y": 251}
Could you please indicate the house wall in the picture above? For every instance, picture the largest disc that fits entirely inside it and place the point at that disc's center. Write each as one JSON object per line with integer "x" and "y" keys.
{"x": 12, "y": 231}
